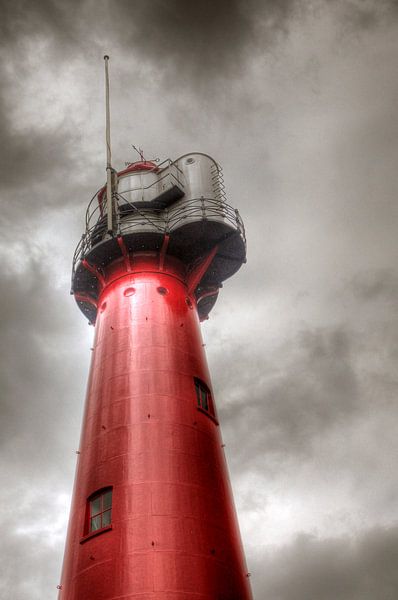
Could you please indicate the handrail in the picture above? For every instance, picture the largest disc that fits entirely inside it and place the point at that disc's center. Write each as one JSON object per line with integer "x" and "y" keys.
{"x": 164, "y": 221}
{"x": 166, "y": 163}
{"x": 154, "y": 183}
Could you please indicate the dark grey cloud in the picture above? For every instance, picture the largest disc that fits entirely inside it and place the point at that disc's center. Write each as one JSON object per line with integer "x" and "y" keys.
{"x": 373, "y": 286}
{"x": 32, "y": 157}
{"x": 41, "y": 398}
{"x": 205, "y": 37}
{"x": 37, "y": 389}
{"x": 200, "y": 41}
{"x": 322, "y": 402}
{"x": 366, "y": 15}
{"x": 34, "y": 549}
{"x": 37, "y": 150}
{"x": 298, "y": 392}
{"x": 22, "y": 18}
{"x": 361, "y": 567}
{"x": 322, "y": 396}
{"x": 185, "y": 45}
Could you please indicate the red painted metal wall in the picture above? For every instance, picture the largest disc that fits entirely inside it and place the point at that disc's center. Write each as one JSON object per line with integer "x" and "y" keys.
{"x": 174, "y": 534}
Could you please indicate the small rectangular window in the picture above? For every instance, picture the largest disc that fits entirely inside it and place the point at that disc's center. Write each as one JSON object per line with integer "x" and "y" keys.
{"x": 203, "y": 397}
{"x": 99, "y": 510}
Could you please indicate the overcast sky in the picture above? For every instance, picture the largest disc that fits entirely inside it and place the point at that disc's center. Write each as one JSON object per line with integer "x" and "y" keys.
{"x": 298, "y": 102}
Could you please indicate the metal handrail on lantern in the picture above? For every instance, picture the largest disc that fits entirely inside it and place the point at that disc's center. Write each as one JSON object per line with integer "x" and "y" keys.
{"x": 168, "y": 221}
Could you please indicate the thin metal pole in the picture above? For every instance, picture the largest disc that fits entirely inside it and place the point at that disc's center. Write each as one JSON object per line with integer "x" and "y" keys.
{"x": 109, "y": 190}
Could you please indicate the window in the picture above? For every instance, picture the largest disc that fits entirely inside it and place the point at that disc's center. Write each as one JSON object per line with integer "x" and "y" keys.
{"x": 203, "y": 397}
{"x": 99, "y": 510}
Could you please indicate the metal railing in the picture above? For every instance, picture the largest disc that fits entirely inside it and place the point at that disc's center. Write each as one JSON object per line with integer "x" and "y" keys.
{"x": 166, "y": 170}
{"x": 130, "y": 218}
{"x": 218, "y": 182}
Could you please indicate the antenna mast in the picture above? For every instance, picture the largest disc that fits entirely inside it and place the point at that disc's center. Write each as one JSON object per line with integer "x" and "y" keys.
{"x": 109, "y": 170}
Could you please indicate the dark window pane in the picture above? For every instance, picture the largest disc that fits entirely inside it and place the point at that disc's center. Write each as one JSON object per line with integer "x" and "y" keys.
{"x": 106, "y": 518}
{"x": 107, "y": 500}
{"x": 95, "y": 523}
{"x": 95, "y": 506}
{"x": 197, "y": 389}
{"x": 203, "y": 396}
{"x": 205, "y": 403}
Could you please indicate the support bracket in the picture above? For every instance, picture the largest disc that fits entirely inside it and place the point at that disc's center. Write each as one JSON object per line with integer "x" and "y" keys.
{"x": 125, "y": 253}
{"x": 198, "y": 272}
{"x": 95, "y": 271}
{"x": 163, "y": 251}
{"x": 85, "y": 298}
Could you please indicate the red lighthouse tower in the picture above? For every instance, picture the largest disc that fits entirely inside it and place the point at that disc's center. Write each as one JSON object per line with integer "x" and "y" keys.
{"x": 152, "y": 515}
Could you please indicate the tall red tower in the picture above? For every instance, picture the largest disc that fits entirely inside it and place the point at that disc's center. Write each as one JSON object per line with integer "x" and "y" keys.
{"x": 152, "y": 515}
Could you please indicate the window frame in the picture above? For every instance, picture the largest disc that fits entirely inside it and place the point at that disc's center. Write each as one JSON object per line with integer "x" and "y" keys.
{"x": 103, "y": 509}
{"x": 204, "y": 399}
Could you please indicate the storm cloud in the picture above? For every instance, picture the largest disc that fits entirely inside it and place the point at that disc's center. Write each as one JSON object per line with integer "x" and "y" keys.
{"x": 361, "y": 567}
{"x": 297, "y": 101}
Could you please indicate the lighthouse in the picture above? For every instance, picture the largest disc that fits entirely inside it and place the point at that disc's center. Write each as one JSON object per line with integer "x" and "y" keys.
{"x": 152, "y": 514}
